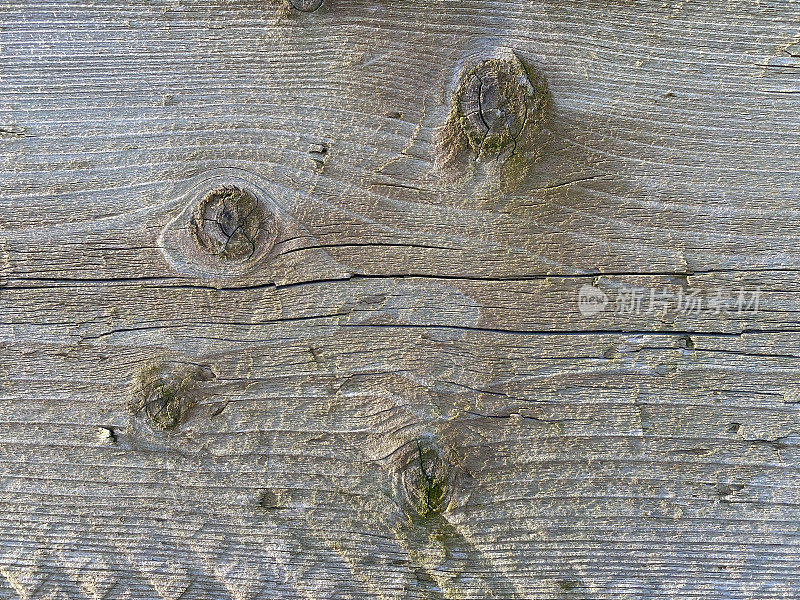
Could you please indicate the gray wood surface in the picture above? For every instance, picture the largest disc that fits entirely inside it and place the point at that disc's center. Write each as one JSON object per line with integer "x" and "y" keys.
{"x": 396, "y": 395}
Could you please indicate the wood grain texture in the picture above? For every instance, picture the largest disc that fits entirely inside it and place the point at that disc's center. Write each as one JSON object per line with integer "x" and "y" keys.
{"x": 624, "y": 455}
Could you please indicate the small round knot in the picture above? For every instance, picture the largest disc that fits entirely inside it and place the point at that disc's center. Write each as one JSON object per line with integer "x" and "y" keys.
{"x": 229, "y": 222}
{"x": 497, "y": 100}
{"x": 306, "y": 5}
{"x": 498, "y": 112}
{"x": 167, "y": 391}
{"x": 424, "y": 479}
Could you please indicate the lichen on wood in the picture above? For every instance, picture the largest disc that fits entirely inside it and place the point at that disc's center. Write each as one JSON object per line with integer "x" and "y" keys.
{"x": 425, "y": 479}
{"x": 166, "y": 391}
{"x": 498, "y": 109}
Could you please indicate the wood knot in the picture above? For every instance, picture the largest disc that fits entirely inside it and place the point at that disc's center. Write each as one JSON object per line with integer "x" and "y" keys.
{"x": 167, "y": 391}
{"x": 305, "y": 5}
{"x": 270, "y": 500}
{"x": 233, "y": 225}
{"x": 424, "y": 479}
{"x": 498, "y": 108}
{"x": 230, "y": 222}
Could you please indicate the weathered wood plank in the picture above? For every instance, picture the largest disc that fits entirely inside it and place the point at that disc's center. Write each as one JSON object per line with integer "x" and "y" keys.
{"x": 402, "y": 397}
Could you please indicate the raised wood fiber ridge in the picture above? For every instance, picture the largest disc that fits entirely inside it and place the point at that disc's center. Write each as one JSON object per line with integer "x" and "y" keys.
{"x": 399, "y": 299}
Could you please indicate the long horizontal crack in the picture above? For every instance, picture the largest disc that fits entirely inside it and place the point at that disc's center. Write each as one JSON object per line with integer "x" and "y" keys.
{"x": 12, "y": 282}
